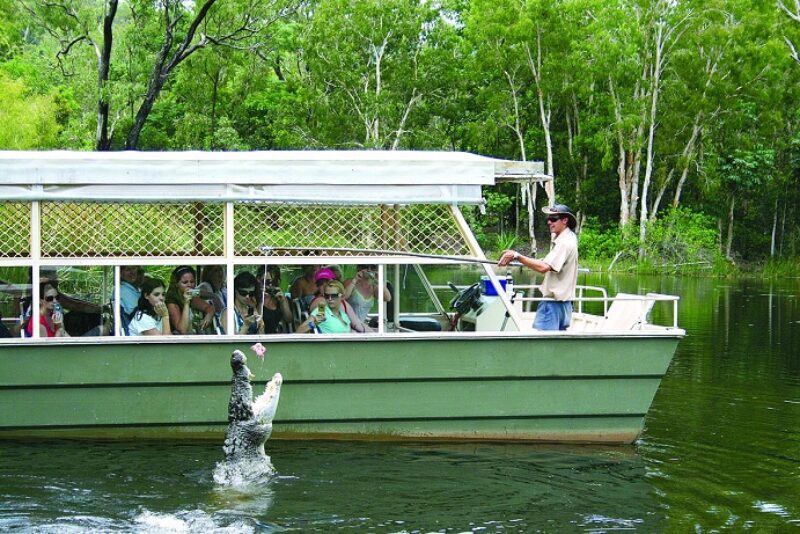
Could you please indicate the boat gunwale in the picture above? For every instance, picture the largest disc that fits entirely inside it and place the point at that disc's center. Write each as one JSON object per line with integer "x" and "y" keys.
{"x": 653, "y": 331}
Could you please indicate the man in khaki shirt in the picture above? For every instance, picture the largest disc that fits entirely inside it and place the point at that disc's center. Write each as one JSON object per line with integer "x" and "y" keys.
{"x": 560, "y": 269}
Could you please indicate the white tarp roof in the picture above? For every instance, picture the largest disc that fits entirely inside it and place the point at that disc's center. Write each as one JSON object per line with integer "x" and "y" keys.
{"x": 402, "y": 177}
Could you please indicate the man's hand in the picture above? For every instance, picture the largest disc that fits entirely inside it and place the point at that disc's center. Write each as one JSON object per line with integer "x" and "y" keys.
{"x": 507, "y": 257}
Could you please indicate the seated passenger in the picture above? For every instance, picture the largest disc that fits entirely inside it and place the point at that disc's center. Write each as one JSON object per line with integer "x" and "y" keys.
{"x": 304, "y": 287}
{"x": 128, "y": 289}
{"x": 360, "y": 291}
{"x": 182, "y": 300}
{"x": 151, "y": 317}
{"x": 51, "y": 316}
{"x": 212, "y": 288}
{"x": 272, "y": 302}
{"x": 246, "y": 320}
{"x": 84, "y": 318}
{"x": 321, "y": 279}
{"x": 324, "y": 277}
{"x": 129, "y": 294}
{"x": 331, "y": 318}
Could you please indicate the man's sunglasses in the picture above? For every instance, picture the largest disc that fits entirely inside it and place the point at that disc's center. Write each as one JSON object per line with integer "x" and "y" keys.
{"x": 554, "y": 218}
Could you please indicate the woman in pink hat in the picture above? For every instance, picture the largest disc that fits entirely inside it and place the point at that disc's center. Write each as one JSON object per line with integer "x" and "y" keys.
{"x": 323, "y": 277}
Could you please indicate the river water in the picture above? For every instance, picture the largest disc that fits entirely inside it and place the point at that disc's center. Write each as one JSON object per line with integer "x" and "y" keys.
{"x": 721, "y": 451}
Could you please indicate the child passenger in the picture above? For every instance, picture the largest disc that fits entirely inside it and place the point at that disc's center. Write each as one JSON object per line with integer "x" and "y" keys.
{"x": 151, "y": 317}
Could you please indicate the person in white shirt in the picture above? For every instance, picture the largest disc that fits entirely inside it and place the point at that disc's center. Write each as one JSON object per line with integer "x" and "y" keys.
{"x": 151, "y": 317}
{"x": 560, "y": 269}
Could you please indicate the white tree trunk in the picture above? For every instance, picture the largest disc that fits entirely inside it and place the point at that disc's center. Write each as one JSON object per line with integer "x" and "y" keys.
{"x": 729, "y": 243}
{"x": 688, "y": 152}
{"x": 660, "y": 195}
{"x": 528, "y": 192}
{"x": 544, "y": 113}
{"x": 774, "y": 230}
{"x": 661, "y": 39}
{"x": 624, "y": 209}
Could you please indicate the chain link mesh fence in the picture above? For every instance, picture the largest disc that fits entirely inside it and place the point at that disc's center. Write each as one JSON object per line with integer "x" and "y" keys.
{"x": 171, "y": 229}
{"x": 84, "y": 229}
{"x": 15, "y": 229}
{"x": 428, "y": 229}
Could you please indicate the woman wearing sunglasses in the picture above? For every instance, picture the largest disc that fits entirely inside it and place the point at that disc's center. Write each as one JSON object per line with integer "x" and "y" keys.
{"x": 51, "y": 317}
{"x": 274, "y": 305}
{"x": 246, "y": 320}
{"x": 330, "y": 318}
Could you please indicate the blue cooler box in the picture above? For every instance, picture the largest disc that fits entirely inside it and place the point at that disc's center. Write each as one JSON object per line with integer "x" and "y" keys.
{"x": 488, "y": 289}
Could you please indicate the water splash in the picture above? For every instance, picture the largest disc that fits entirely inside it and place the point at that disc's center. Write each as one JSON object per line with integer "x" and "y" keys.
{"x": 244, "y": 473}
{"x": 187, "y": 522}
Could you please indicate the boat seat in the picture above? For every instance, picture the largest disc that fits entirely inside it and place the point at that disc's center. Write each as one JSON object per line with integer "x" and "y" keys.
{"x": 420, "y": 324}
{"x": 414, "y": 323}
{"x": 628, "y": 314}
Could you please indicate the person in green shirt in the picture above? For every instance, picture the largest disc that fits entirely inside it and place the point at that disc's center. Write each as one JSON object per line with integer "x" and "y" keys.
{"x": 330, "y": 318}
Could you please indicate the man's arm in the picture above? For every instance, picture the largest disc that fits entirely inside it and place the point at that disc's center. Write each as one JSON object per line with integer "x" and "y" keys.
{"x": 532, "y": 263}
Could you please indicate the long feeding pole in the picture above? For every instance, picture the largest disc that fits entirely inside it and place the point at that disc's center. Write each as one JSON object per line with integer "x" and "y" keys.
{"x": 268, "y": 251}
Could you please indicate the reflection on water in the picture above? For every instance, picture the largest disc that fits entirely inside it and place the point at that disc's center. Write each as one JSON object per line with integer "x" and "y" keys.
{"x": 721, "y": 451}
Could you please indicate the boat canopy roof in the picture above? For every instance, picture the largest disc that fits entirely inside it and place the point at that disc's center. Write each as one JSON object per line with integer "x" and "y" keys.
{"x": 311, "y": 176}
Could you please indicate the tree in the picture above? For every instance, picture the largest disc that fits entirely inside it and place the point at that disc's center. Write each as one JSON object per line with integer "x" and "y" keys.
{"x": 184, "y": 29}
{"x": 366, "y": 62}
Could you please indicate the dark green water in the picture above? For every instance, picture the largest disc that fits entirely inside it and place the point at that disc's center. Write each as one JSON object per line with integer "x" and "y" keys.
{"x": 720, "y": 452}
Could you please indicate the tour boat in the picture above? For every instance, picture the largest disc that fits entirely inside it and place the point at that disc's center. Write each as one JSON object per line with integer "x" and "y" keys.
{"x": 426, "y": 372}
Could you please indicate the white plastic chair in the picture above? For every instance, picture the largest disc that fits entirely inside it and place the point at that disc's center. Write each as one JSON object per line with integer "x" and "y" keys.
{"x": 628, "y": 312}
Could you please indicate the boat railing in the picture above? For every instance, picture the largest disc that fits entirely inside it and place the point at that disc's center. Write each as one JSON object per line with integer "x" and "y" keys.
{"x": 623, "y": 311}
{"x": 580, "y": 290}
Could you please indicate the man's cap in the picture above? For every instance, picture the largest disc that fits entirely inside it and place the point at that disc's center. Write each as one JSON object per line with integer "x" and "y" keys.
{"x": 562, "y": 209}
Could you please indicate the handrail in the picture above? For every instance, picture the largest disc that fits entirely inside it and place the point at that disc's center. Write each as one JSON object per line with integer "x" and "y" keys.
{"x": 580, "y": 299}
{"x": 605, "y": 299}
{"x": 655, "y": 297}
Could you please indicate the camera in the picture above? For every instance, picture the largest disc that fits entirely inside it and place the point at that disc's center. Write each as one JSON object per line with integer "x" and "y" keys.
{"x": 194, "y": 292}
{"x": 272, "y": 290}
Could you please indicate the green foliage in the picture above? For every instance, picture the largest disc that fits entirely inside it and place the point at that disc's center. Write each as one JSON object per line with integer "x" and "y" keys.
{"x": 498, "y": 205}
{"x": 782, "y": 268}
{"x": 473, "y": 217}
{"x": 454, "y": 75}
{"x": 684, "y": 240}
{"x": 506, "y": 240}
{"x": 681, "y": 241}
{"x": 595, "y": 243}
{"x": 28, "y": 120}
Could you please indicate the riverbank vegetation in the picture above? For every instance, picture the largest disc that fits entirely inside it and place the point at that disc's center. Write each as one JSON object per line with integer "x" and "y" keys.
{"x": 671, "y": 128}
